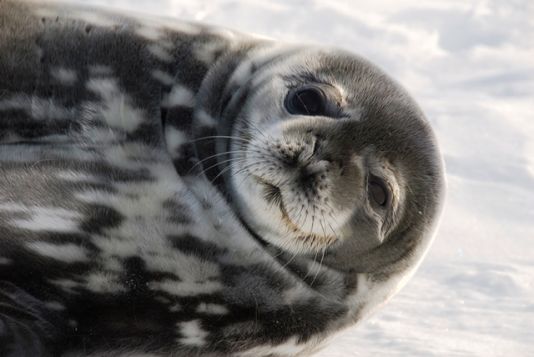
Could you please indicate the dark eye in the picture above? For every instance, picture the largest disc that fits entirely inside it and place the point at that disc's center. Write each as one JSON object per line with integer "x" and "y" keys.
{"x": 308, "y": 100}
{"x": 378, "y": 191}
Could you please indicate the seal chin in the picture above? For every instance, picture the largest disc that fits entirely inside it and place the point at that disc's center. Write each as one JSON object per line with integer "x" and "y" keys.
{"x": 297, "y": 238}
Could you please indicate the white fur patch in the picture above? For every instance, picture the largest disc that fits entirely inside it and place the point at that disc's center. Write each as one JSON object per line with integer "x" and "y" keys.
{"x": 213, "y": 309}
{"x": 104, "y": 282}
{"x": 242, "y": 73}
{"x": 188, "y": 288}
{"x": 115, "y": 246}
{"x": 204, "y": 119}
{"x": 68, "y": 253}
{"x": 74, "y": 176}
{"x": 367, "y": 295}
{"x": 66, "y": 284}
{"x": 163, "y": 77}
{"x": 64, "y": 76}
{"x": 13, "y": 207}
{"x": 149, "y": 32}
{"x": 160, "y": 52}
{"x": 116, "y": 109}
{"x": 296, "y": 294}
{"x": 94, "y": 135}
{"x": 35, "y": 107}
{"x": 179, "y": 96}
{"x": 131, "y": 155}
{"x": 139, "y": 202}
{"x": 175, "y": 139}
{"x": 192, "y": 332}
{"x": 48, "y": 219}
{"x": 206, "y": 52}
{"x": 196, "y": 274}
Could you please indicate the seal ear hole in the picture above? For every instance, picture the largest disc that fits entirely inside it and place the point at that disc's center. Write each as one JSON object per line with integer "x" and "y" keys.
{"x": 378, "y": 191}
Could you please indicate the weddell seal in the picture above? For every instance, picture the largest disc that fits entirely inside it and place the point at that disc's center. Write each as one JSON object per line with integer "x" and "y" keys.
{"x": 169, "y": 188}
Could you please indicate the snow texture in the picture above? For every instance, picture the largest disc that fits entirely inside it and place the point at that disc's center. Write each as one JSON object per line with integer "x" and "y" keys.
{"x": 470, "y": 66}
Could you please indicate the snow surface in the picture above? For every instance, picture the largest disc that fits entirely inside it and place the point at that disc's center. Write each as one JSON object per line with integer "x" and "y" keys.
{"x": 470, "y": 65}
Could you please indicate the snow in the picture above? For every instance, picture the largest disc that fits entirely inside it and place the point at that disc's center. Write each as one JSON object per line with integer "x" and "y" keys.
{"x": 470, "y": 66}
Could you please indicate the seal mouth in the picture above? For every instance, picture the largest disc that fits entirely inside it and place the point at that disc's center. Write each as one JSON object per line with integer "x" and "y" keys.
{"x": 273, "y": 195}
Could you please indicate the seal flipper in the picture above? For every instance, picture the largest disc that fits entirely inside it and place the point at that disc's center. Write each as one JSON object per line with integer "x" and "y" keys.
{"x": 27, "y": 326}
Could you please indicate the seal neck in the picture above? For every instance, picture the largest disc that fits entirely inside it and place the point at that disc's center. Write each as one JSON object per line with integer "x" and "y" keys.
{"x": 211, "y": 130}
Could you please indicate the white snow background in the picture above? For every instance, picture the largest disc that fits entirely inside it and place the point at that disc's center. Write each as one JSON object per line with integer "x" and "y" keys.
{"x": 470, "y": 65}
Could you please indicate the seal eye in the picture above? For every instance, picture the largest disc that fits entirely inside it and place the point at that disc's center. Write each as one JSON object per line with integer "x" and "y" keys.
{"x": 378, "y": 191}
{"x": 306, "y": 101}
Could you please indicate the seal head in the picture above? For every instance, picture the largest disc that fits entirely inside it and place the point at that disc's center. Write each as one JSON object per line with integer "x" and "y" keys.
{"x": 324, "y": 152}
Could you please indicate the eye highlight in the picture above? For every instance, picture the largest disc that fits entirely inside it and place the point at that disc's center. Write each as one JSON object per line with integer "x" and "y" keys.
{"x": 378, "y": 191}
{"x": 308, "y": 100}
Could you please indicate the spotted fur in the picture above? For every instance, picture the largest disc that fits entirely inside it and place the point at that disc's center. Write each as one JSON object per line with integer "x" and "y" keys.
{"x": 119, "y": 234}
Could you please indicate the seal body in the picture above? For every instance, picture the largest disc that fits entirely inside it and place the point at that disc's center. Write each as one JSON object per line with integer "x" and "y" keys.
{"x": 149, "y": 177}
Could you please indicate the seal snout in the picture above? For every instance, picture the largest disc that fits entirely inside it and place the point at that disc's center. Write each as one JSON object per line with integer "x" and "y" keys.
{"x": 306, "y": 155}
{"x": 301, "y": 174}
{"x": 310, "y": 161}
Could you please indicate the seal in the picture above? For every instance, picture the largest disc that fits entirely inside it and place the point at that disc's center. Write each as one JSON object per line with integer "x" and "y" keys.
{"x": 170, "y": 188}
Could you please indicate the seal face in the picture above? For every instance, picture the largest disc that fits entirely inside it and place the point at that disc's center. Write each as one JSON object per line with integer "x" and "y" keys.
{"x": 311, "y": 165}
{"x": 325, "y": 152}
{"x": 176, "y": 189}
